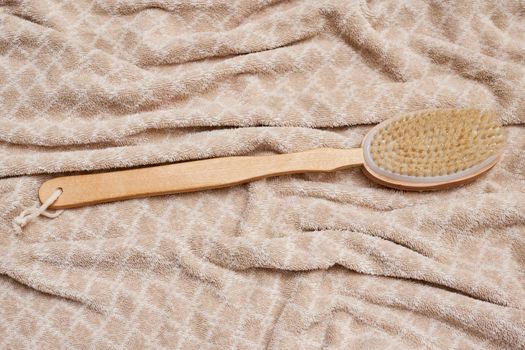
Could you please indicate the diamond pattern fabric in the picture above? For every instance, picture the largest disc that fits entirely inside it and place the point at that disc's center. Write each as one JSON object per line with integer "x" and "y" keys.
{"x": 296, "y": 262}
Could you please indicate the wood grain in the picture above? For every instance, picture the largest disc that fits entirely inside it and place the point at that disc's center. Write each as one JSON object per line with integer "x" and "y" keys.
{"x": 81, "y": 190}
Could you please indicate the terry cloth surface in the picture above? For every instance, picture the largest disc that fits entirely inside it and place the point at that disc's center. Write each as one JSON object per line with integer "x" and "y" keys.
{"x": 303, "y": 261}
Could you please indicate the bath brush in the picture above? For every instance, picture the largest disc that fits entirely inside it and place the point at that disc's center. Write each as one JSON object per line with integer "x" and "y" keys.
{"x": 426, "y": 150}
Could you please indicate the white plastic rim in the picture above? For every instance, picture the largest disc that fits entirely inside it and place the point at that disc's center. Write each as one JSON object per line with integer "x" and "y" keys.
{"x": 369, "y": 161}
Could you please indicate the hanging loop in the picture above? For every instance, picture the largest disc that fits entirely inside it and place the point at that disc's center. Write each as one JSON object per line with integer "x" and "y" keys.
{"x": 32, "y": 213}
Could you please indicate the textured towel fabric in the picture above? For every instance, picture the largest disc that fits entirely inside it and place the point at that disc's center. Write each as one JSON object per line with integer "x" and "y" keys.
{"x": 303, "y": 261}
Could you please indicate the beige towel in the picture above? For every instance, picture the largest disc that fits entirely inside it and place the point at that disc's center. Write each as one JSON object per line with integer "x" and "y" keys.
{"x": 303, "y": 261}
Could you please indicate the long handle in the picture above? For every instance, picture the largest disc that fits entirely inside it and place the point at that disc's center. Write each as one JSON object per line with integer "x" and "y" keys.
{"x": 81, "y": 190}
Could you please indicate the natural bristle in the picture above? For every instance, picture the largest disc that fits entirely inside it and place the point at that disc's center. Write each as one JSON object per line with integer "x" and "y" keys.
{"x": 436, "y": 143}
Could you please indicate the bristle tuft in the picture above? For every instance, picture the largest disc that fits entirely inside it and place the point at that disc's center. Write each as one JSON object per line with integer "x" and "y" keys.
{"x": 437, "y": 143}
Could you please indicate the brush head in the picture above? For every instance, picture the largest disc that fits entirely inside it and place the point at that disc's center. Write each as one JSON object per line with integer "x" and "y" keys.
{"x": 432, "y": 149}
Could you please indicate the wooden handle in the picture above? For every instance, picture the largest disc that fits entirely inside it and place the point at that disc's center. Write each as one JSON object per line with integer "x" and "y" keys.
{"x": 81, "y": 190}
